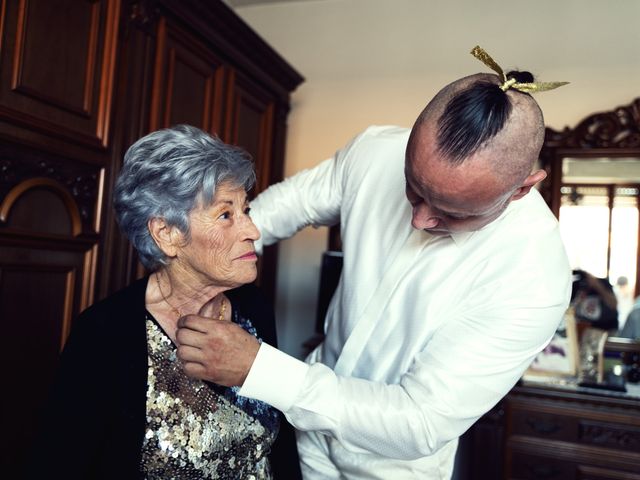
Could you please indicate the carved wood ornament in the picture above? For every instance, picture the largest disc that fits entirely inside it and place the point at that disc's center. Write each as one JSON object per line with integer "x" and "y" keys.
{"x": 606, "y": 134}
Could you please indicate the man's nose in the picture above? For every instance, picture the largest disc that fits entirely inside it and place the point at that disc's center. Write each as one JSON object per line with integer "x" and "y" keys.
{"x": 423, "y": 217}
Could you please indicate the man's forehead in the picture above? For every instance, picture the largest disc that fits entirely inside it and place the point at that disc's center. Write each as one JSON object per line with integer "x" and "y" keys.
{"x": 464, "y": 189}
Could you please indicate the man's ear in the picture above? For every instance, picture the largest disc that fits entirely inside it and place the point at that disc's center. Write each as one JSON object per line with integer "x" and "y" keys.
{"x": 167, "y": 237}
{"x": 528, "y": 184}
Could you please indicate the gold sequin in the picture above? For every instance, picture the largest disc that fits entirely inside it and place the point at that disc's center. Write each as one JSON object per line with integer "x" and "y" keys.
{"x": 197, "y": 431}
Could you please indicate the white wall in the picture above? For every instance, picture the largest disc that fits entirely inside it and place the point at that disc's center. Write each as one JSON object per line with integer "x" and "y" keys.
{"x": 379, "y": 62}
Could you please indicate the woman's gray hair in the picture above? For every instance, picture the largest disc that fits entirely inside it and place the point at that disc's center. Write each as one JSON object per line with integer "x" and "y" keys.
{"x": 166, "y": 174}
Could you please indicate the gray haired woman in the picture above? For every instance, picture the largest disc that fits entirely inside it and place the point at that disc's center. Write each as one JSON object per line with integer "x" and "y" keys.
{"x": 122, "y": 406}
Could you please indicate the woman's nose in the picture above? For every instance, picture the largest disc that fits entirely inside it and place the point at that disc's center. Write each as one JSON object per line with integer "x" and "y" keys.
{"x": 251, "y": 231}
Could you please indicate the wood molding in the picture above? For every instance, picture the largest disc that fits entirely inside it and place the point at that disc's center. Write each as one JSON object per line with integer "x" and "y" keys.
{"x": 618, "y": 128}
{"x": 16, "y": 192}
{"x": 614, "y": 133}
{"x": 3, "y": 9}
{"x": 220, "y": 26}
{"x": 85, "y": 182}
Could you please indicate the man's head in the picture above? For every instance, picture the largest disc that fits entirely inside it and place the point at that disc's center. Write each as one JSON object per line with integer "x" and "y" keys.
{"x": 471, "y": 152}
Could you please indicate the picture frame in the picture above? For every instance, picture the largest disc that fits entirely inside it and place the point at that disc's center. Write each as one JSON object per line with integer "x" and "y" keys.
{"x": 560, "y": 358}
{"x": 592, "y": 353}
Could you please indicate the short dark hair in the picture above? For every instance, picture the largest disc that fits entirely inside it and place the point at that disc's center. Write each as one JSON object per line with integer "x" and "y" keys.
{"x": 473, "y": 116}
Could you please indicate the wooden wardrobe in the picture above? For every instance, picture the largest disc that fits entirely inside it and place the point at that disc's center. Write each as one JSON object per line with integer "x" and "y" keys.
{"x": 80, "y": 80}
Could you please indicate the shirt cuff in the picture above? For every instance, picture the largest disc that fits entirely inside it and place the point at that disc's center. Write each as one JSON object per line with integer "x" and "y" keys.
{"x": 275, "y": 378}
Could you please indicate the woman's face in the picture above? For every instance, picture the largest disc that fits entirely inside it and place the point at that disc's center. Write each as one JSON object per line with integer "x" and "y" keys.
{"x": 221, "y": 250}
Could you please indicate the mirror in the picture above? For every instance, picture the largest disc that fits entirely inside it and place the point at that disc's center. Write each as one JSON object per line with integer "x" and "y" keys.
{"x": 593, "y": 187}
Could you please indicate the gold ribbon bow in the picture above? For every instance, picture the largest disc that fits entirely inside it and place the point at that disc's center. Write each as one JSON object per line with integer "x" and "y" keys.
{"x": 508, "y": 83}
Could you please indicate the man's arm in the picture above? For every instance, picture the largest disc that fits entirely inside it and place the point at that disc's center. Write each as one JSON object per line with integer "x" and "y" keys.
{"x": 311, "y": 197}
{"x": 465, "y": 369}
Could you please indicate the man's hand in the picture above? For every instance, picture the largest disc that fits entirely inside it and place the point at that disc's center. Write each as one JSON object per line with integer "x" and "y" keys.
{"x": 215, "y": 350}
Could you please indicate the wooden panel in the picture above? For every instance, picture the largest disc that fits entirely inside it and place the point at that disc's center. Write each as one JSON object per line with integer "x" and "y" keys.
{"x": 188, "y": 82}
{"x": 47, "y": 270}
{"x": 555, "y": 461}
{"x": 79, "y": 187}
{"x": 57, "y": 65}
{"x": 40, "y": 292}
{"x": 557, "y": 434}
{"x": 595, "y": 473}
{"x": 61, "y": 216}
{"x": 36, "y": 304}
{"x": 58, "y": 155}
{"x": 540, "y": 424}
{"x": 249, "y": 124}
{"x": 531, "y": 467}
{"x": 35, "y": 311}
{"x": 582, "y": 424}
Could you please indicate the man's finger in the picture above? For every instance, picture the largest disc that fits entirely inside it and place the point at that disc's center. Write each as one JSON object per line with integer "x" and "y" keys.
{"x": 187, "y": 353}
{"x": 194, "y": 322}
{"x": 195, "y": 370}
{"x": 193, "y": 338}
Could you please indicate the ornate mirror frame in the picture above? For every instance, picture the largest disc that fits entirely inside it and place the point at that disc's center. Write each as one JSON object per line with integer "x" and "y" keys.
{"x": 613, "y": 134}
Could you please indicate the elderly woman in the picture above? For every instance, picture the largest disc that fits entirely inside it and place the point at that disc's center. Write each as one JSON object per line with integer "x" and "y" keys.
{"x": 122, "y": 406}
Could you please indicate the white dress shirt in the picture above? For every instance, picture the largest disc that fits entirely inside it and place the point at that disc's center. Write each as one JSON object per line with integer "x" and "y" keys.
{"x": 424, "y": 333}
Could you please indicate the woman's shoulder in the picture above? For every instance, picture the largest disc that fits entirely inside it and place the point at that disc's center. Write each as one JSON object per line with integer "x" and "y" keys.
{"x": 129, "y": 301}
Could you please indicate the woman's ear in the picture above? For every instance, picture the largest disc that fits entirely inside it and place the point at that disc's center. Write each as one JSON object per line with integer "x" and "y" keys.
{"x": 167, "y": 237}
{"x": 528, "y": 184}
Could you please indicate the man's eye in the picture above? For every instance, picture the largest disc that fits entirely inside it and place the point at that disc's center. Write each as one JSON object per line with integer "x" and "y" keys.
{"x": 225, "y": 216}
{"x": 457, "y": 217}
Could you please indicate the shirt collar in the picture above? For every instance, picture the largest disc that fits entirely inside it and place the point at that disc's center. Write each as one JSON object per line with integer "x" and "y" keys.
{"x": 460, "y": 238}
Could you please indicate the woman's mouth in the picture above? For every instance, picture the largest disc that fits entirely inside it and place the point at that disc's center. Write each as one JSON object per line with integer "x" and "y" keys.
{"x": 248, "y": 256}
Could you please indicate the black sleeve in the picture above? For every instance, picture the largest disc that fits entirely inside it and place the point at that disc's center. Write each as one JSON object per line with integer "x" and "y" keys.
{"x": 72, "y": 424}
{"x": 608, "y": 316}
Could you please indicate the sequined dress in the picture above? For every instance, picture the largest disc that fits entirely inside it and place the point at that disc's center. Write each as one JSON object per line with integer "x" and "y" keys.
{"x": 198, "y": 430}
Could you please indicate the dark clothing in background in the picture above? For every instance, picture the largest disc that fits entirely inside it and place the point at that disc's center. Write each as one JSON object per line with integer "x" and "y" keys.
{"x": 589, "y": 305}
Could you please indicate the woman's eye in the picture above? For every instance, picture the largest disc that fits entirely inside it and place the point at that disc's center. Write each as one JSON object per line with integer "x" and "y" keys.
{"x": 247, "y": 210}
{"x": 225, "y": 215}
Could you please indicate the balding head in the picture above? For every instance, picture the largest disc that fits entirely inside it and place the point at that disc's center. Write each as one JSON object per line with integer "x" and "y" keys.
{"x": 471, "y": 152}
{"x": 473, "y": 114}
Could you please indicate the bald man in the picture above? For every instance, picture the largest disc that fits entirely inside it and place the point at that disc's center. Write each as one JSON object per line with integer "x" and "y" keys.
{"x": 444, "y": 299}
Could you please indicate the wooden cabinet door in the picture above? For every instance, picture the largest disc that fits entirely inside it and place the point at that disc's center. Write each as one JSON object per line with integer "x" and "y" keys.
{"x": 250, "y": 124}
{"x": 48, "y": 251}
{"x": 57, "y": 62}
{"x": 188, "y": 82}
{"x": 63, "y": 65}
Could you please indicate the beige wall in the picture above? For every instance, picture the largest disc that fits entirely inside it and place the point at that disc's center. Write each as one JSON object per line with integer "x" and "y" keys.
{"x": 379, "y": 61}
